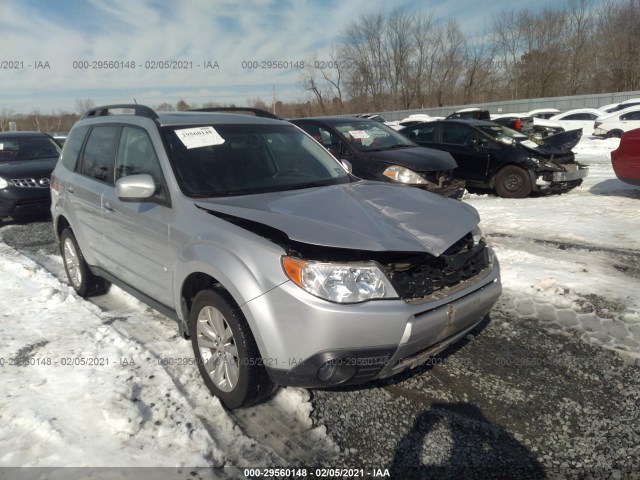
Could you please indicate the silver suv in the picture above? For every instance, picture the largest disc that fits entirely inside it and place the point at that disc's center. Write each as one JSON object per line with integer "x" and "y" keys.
{"x": 279, "y": 265}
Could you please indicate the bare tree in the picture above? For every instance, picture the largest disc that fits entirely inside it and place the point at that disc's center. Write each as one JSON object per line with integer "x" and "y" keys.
{"x": 6, "y": 116}
{"x": 82, "y": 105}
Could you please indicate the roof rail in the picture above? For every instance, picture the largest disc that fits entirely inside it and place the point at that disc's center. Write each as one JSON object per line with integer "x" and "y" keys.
{"x": 258, "y": 112}
{"x": 139, "y": 110}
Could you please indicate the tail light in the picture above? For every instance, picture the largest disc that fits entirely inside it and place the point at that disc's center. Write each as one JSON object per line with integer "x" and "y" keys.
{"x": 597, "y": 124}
{"x": 518, "y": 124}
{"x": 54, "y": 184}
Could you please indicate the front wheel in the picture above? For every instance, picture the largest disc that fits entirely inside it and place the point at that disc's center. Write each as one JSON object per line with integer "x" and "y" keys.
{"x": 614, "y": 134}
{"x": 513, "y": 182}
{"x": 85, "y": 283}
{"x": 226, "y": 352}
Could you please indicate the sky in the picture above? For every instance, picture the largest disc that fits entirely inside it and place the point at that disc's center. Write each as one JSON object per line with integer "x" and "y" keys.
{"x": 53, "y": 54}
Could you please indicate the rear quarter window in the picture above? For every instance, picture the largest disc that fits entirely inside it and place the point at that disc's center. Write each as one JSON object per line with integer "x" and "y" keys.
{"x": 72, "y": 146}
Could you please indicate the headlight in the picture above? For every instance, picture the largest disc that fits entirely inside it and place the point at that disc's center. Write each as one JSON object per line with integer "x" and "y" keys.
{"x": 478, "y": 236}
{"x": 3, "y": 183}
{"x": 339, "y": 282}
{"x": 403, "y": 175}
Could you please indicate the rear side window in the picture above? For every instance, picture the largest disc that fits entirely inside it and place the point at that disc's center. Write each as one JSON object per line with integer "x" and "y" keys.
{"x": 630, "y": 116}
{"x": 99, "y": 152}
{"x": 72, "y": 147}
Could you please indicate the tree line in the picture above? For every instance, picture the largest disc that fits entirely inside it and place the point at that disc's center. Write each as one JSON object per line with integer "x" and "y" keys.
{"x": 409, "y": 59}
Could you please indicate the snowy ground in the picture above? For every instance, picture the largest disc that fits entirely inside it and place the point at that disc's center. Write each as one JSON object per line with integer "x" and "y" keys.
{"x": 571, "y": 260}
{"x": 108, "y": 382}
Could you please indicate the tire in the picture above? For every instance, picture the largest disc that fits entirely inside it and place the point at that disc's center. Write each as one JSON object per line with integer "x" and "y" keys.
{"x": 614, "y": 134}
{"x": 513, "y": 182}
{"x": 85, "y": 283}
{"x": 226, "y": 352}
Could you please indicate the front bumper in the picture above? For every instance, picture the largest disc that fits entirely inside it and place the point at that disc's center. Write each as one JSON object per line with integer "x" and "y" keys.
{"x": 19, "y": 202}
{"x": 456, "y": 189}
{"x": 301, "y": 336}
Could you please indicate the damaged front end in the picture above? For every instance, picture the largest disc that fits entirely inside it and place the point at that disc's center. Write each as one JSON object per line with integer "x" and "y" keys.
{"x": 555, "y": 168}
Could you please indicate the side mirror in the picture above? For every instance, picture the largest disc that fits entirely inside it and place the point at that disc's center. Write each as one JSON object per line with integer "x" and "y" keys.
{"x": 347, "y": 165}
{"x": 135, "y": 187}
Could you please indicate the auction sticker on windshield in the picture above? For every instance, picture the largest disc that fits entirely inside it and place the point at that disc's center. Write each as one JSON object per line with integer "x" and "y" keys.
{"x": 199, "y": 137}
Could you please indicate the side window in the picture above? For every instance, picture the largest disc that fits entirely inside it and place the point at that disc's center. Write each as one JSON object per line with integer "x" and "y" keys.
{"x": 424, "y": 134}
{"x": 136, "y": 155}
{"x": 99, "y": 152}
{"x": 322, "y": 135}
{"x": 72, "y": 147}
{"x": 457, "y": 134}
{"x": 630, "y": 116}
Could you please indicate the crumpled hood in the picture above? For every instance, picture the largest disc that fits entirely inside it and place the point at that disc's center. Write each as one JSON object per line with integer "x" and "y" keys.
{"x": 558, "y": 144}
{"x": 363, "y": 215}
{"x": 420, "y": 159}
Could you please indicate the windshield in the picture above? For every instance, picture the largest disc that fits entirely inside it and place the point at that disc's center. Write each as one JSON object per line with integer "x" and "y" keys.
{"x": 502, "y": 134}
{"x": 13, "y": 149}
{"x": 224, "y": 160}
{"x": 368, "y": 136}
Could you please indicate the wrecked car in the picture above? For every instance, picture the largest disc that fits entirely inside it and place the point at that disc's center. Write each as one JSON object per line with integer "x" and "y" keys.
{"x": 280, "y": 266}
{"x": 495, "y": 157}
{"x": 377, "y": 152}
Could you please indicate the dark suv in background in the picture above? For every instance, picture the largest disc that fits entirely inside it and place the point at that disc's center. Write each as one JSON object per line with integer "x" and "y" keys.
{"x": 377, "y": 152}
{"x": 26, "y": 162}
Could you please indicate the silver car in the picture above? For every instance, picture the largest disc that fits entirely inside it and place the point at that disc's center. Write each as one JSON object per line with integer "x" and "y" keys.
{"x": 279, "y": 265}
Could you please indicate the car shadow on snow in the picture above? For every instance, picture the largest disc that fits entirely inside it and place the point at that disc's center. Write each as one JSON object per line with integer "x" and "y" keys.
{"x": 613, "y": 187}
{"x": 476, "y": 447}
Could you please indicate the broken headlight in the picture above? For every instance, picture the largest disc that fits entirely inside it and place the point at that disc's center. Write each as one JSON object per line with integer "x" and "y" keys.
{"x": 403, "y": 175}
{"x": 339, "y": 282}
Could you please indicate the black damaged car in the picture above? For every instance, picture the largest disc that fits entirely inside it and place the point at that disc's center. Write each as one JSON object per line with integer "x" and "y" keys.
{"x": 377, "y": 152}
{"x": 495, "y": 157}
{"x": 26, "y": 162}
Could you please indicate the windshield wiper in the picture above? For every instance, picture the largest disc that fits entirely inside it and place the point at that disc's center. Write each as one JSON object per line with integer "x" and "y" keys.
{"x": 392, "y": 147}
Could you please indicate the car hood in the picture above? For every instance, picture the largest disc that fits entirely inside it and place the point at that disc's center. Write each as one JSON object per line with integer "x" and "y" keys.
{"x": 364, "y": 215}
{"x": 558, "y": 144}
{"x": 420, "y": 159}
{"x": 27, "y": 168}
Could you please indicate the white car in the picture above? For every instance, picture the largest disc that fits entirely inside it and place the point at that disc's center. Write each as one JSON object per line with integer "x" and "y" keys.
{"x": 614, "y": 107}
{"x": 577, "y": 118}
{"x": 412, "y": 120}
{"x": 616, "y": 123}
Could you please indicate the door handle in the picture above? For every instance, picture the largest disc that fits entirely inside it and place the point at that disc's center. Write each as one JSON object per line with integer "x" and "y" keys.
{"x": 107, "y": 206}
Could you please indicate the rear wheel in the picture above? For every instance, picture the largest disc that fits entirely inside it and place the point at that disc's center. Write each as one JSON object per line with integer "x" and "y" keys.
{"x": 85, "y": 283}
{"x": 226, "y": 352}
{"x": 513, "y": 182}
{"x": 614, "y": 134}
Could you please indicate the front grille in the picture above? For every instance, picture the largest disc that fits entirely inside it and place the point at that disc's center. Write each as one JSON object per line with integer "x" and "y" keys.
{"x": 30, "y": 182}
{"x": 460, "y": 262}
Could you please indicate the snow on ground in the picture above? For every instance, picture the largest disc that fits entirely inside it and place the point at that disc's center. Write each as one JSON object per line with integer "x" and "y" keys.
{"x": 82, "y": 384}
{"x": 561, "y": 255}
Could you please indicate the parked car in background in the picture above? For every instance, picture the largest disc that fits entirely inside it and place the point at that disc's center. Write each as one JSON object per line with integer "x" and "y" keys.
{"x": 470, "y": 113}
{"x": 577, "y": 118}
{"x": 280, "y": 266}
{"x": 26, "y": 162}
{"x": 377, "y": 152}
{"x": 495, "y": 157}
{"x": 543, "y": 113}
{"x": 626, "y": 158}
{"x": 412, "y": 120}
{"x": 616, "y": 107}
{"x": 527, "y": 125}
{"x": 613, "y": 125}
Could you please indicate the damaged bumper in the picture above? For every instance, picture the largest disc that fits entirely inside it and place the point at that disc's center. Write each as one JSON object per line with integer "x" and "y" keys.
{"x": 456, "y": 189}
{"x": 354, "y": 344}
{"x": 561, "y": 181}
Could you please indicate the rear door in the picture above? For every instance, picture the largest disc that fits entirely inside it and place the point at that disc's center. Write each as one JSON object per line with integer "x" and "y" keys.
{"x": 84, "y": 194}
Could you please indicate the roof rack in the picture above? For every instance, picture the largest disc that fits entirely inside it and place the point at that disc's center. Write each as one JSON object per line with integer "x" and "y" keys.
{"x": 258, "y": 112}
{"x": 139, "y": 110}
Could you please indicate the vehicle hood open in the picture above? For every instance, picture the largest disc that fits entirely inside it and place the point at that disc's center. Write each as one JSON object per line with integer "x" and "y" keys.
{"x": 420, "y": 159}
{"x": 369, "y": 216}
{"x": 558, "y": 144}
